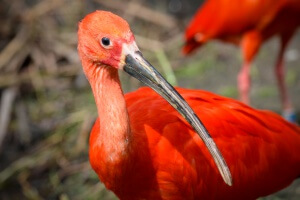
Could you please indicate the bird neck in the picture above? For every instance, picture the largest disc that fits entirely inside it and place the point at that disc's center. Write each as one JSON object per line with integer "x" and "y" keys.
{"x": 112, "y": 138}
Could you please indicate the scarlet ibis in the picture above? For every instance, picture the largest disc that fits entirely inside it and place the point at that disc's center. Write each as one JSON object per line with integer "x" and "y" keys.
{"x": 247, "y": 23}
{"x": 143, "y": 148}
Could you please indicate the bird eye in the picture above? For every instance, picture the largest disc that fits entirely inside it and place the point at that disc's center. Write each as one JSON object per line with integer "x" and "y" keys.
{"x": 105, "y": 41}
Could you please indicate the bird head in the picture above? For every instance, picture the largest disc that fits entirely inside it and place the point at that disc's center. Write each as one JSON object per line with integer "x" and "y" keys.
{"x": 192, "y": 42}
{"x": 105, "y": 40}
{"x": 200, "y": 27}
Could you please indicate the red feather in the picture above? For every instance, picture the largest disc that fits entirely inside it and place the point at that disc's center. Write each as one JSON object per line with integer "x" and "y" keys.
{"x": 171, "y": 162}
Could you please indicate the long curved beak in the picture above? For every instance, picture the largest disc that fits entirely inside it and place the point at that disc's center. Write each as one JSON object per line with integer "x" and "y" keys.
{"x": 137, "y": 66}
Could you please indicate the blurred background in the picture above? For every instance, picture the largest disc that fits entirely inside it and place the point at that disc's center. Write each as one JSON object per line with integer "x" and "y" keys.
{"x": 47, "y": 108}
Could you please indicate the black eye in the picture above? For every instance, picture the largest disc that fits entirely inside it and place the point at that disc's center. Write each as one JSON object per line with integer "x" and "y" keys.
{"x": 105, "y": 41}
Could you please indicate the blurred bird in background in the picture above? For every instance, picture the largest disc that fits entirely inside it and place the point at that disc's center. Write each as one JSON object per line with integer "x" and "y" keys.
{"x": 249, "y": 24}
{"x": 141, "y": 148}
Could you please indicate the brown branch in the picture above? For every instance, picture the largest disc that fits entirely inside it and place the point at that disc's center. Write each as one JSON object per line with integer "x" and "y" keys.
{"x": 16, "y": 45}
{"x": 7, "y": 101}
{"x": 148, "y": 44}
{"x": 73, "y": 168}
{"x": 40, "y": 9}
{"x": 141, "y": 12}
{"x": 17, "y": 79}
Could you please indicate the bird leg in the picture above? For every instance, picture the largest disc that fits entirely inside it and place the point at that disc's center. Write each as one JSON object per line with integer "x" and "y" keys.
{"x": 288, "y": 112}
{"x": 280, "y": 74}
{"x": 250, "y": 44}
{"x": 244, "y": 82}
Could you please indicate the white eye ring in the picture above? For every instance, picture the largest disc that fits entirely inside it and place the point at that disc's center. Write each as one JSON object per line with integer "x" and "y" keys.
{"x": 106, "y": 42}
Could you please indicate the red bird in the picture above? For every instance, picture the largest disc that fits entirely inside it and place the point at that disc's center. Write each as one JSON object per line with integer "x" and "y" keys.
{"x": 142, "y": 148}
{"x": 247, "y": 23}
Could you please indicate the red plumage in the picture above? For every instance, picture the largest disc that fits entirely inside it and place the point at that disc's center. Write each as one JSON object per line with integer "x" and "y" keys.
{"x": 142, "y": 148}
{"x": 171, "y": 162}
{"x": 246, "y": 23}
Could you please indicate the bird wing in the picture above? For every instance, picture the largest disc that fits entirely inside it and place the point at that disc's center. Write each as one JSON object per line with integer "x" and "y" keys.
{"x": 227, "y": 20}
{"x": 254, "y": 144}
